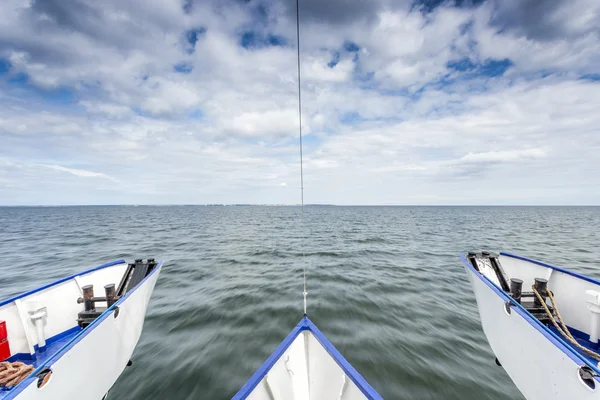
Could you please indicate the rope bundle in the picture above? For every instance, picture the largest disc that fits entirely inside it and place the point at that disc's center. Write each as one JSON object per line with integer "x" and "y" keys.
{"x": 564, "y": 330}
{"x": 13, "y": 373}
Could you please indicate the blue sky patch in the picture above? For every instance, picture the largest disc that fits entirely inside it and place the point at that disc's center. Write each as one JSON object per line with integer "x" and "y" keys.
{"x": 258, "y": 11}
{"x": 192, "y": 36}
{"x": 142, "y": 113}
{"x": 183, "y": 67}
{"x": 462, "y": 65}
{"x": 275, "y": 40}
{"x": 56, "y": 96}
{"x": 591, "y": 77}
{"x": 350, "y": 118}
{"x": 351, "y": 46}
{"x": 255, "y": 40}
{"x": 196, "y": 115}
{"x": 59, "y": 96}
{"x": 261, "y": 13}
{"x": 489, "y": 68}
{"x": 493, "y": 68}
{"x": 334, "y": 60}
{"x": 368, "y": 76}
{"x": 466, "y": 27}
{"x": 429, "y": 5}
{"x": 187, "y": 6}
{"x": 5, "y": 66}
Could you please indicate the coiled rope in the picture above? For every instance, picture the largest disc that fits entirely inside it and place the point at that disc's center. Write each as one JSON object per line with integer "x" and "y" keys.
{"x": 564, "y": 330}
{"x": 11, "y": 373}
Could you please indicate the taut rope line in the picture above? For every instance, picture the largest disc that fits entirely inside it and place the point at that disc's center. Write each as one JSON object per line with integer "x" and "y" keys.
{"x": 304, "y": 293}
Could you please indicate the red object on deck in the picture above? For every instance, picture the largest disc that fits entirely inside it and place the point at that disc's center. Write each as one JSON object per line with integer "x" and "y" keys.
{"x": 3, "y": 333}
{"x": 4, "y": 347}
{"x": 4, "y": 350}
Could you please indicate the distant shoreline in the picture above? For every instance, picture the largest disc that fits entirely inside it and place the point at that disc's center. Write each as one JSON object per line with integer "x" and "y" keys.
{"x": 291, "y": 205}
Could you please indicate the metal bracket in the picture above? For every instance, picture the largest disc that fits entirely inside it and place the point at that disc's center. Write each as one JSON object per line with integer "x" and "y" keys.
{"x": 587, "y": 375}
{"x": 507, "y": 306}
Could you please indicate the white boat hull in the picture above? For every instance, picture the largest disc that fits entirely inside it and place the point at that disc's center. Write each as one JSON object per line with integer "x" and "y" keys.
{"x": 306, "y": 366}
{"x": 89, "y": 364}
{"x": 540, "y": 364}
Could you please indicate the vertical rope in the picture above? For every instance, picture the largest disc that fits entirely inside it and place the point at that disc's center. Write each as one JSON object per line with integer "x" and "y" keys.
{"x": 304, "y": 293}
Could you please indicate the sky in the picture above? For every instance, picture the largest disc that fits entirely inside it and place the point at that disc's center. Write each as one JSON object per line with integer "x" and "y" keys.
{"x": 195, "y": 102}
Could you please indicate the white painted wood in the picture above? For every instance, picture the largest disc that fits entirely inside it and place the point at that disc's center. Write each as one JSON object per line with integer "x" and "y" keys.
{"x": 569, "y": 291}
{"x": 305, "y": 371}
{"x": 61, "y": 307}
{"x": 38, "y": 321}
{"x": 20, "y": 337}
{"x": 593, "y": 305}
{"x": 78, "y": 281}
{"x": 485, "y": 267}
{"x": 37, "y": 316}
{"x": 90, "y": 368}
{"x": 537, "y": 367}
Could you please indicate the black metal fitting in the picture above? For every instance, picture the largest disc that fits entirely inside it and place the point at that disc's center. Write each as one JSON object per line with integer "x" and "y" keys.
{"x": 587, "y": 376}
{"x": 495, "y": 263}
{"x": 90, "y": 301}
{"x": 541, "y": 285}
{"x": 88, "y": 295}
{"x": 111, "y": 294}
{"x": 472, "y": 257}
{"x": 516, "y": 288}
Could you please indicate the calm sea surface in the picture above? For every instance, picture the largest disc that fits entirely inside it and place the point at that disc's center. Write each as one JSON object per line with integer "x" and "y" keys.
{"x": 385, "y": 284}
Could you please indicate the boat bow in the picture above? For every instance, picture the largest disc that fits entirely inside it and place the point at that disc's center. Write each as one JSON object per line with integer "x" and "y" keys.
{"x": 306, "y": 366}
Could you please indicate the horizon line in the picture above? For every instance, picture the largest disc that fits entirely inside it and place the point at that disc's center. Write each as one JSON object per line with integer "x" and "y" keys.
{"x": 291, "y": 205}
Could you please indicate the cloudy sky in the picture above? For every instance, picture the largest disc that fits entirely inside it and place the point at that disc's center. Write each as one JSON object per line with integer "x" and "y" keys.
{"x": 189, "y": 101}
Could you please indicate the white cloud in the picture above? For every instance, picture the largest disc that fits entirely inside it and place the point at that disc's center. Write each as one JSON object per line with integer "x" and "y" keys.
{"x": 109, "y": 109}
{"x": 502, "y": 156}
{"x": 264, "y": 124}
{"x": 318, "y": 70}
{"x": 103, "y": 107}
{"x": 78, "y": 172}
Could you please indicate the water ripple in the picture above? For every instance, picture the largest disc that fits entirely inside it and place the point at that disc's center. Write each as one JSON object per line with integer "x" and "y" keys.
{"x": 385, "y": 285}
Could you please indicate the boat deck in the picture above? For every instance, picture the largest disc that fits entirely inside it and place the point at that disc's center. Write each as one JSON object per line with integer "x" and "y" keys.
{"x": 53, "y": 345}
{"x": 582, "y": 339}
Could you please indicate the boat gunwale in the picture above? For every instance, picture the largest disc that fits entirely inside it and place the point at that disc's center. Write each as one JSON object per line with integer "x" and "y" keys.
{"x": 557, "y": 341}
{"x": 306, "y": 324}
{"x": 559, "y": 269}
{"x": 59, "y": 281}
{"x": 83, "y": 333}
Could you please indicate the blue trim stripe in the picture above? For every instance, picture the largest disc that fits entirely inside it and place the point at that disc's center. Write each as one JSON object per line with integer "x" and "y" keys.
{"x": 580, "y": 334}
{"x": 563, "y": 270}
{"x": 61, "y": 335}
{"x": 266, "y": 367}
{"x": 49, "y": 341}
{"x": 307, "y": 325}
{"x": 534, "y": 322}
{"x": 84, "y": 332}
{"x": 22, "y": 357}
{"x": 19, "y": 296}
